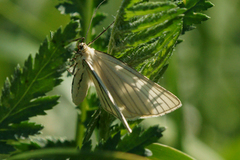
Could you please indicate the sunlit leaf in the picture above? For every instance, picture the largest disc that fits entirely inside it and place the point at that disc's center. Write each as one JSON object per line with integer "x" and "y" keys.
{"x": 163, "y": 152}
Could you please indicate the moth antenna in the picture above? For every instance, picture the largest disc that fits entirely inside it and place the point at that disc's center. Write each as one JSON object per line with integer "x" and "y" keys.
{"x": 93, "y": 16}
{"x": 82, "y": 38}
{"x": 100, "y": 34}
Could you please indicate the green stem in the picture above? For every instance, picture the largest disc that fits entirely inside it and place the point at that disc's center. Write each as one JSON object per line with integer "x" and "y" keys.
{"x": 80, "y": 123}
{"x": 86, "y": 19}
{"x": 86, "y": 10}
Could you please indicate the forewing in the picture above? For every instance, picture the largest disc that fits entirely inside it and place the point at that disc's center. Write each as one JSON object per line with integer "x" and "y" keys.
{"x": 107, "y": 101}
{"x": 134, "y": 94}
{"x": 80, "y": 83}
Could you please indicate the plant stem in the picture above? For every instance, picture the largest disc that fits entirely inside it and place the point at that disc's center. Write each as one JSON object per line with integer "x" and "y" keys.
{"x": 80, "y": 123}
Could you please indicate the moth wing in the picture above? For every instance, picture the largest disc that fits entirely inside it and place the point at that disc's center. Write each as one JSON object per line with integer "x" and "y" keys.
{"x": 80, "y": 84}
{"x": 105, "y": 96}
{"x": 134, "y": 94}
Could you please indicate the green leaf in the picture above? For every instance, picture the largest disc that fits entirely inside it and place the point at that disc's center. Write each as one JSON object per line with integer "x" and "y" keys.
{"x": 139, "y": 139}
{"x": 110, "y": 144}
{"x": 77, "y": 6}
{"x": 24, "y": 94}
{"x": 34, "y": 80}
{"x": 23, "y": 129}
{"x": 83, "y": 10}
{"x": 193, "y": 14}
{"x": 73, "y": 154}
{"x": 163, "y": 152}
{"x": 5, "y": 148}
{"x": 35, "y": 107}
{"x": 135, "y": 142}
{"x": 99, "y": 17}
{"x": 26, "y": 146}
{"x": 40, "y": 143}
{"x": 190, "y": 3}
{"x": 16, "y": 131}
{"x": 145, "y": 34}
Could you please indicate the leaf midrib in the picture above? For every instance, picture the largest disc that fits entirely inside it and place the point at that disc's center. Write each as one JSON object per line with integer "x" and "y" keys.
{"x": 28, "y": 88}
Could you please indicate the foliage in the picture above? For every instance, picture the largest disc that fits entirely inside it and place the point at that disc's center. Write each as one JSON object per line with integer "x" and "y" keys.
{"x": 144, "y": 35}
{"x": 24, "y": 95}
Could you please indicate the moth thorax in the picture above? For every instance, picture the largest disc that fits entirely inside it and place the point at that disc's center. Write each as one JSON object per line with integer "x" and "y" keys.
{"x": 86, "y": 51}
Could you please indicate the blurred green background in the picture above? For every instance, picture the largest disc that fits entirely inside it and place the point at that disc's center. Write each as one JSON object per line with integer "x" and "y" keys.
{"x": 204, "y": 73}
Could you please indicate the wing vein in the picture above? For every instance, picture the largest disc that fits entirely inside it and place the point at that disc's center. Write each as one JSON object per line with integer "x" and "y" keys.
{"x": 126, "y": 96}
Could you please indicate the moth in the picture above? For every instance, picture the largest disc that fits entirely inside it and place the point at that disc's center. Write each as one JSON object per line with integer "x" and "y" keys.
{"x": 123, "y": 92}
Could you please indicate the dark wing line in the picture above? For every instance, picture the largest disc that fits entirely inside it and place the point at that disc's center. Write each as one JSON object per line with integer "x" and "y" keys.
{"x": 98, "y": 85}
{"x": 108, "y": 97}
{"x": 73, "y": 80}
{"x": 80, "y": 84}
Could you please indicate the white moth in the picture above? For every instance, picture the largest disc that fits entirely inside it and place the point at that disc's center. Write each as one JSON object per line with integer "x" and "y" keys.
{"x": 123, "y": 92}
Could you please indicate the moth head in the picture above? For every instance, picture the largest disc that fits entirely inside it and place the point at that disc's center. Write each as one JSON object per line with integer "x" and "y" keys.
{"x": 84, "y": 51}
{"x": 82, "y": 47}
